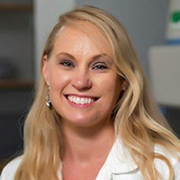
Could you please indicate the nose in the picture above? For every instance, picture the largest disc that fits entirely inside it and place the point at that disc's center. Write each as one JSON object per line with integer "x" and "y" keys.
{"x": 81, "y": 80}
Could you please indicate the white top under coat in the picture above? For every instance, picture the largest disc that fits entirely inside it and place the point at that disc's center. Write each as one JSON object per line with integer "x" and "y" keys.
{"x": 118, "y": 166}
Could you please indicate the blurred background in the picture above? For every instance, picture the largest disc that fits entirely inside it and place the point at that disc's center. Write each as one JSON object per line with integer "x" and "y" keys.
{"x": 154, "y": 27}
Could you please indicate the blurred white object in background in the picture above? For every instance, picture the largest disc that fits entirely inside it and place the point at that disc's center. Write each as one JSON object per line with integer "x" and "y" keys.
{"x": 164, "y": 62}
{"x": 173, "y": 23}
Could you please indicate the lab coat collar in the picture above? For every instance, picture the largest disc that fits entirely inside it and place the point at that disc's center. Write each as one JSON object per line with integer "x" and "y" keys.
{"x": 119, "y": 160}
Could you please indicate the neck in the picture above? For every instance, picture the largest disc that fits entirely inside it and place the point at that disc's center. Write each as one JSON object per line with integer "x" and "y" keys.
{"x": 88, "y": 144}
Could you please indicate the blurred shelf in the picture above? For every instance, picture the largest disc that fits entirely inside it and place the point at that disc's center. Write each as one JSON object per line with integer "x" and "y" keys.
{"x": 16, "y": 7}
{"x": 15, "y": 84}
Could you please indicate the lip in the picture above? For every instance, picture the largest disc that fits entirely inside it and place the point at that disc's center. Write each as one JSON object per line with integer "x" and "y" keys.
{"x": 81, "y": 96}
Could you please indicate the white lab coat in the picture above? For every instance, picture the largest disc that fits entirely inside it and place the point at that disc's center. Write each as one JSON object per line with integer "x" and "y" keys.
{"x": 118, "y": 166}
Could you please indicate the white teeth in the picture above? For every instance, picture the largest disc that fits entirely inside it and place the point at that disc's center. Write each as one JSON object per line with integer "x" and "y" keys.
{"x": 79, "y": 100}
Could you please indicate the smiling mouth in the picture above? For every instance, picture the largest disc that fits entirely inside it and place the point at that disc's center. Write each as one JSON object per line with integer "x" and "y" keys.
{"x": 81, "y": 100}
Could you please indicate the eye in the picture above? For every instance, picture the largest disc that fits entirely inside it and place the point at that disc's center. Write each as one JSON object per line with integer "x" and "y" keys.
{"x": 67, "y": 63}
{"x": 99, "y": 66}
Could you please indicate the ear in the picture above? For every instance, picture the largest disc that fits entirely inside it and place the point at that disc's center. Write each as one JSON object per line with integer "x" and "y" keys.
{"x": 45, "y": 71}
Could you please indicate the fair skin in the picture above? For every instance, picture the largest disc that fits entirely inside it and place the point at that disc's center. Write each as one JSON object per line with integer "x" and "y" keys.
{"x": 84, "y": 88}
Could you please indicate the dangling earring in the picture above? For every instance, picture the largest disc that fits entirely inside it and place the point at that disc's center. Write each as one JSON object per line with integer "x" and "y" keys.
{"x": 48, "y": 100}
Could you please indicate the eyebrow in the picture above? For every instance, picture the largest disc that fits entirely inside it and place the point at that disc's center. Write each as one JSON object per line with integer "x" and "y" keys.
{"x": 65, "y": 54}
{"x": 93, "y": 58}
{"x": 99, "y": 56}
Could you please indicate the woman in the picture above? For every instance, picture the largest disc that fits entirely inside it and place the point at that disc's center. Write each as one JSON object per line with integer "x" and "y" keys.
{"x": 98, "y": 121}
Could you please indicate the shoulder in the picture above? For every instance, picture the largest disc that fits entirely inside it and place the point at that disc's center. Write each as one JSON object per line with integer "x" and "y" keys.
{"x": 162, "y": 163}
{"x": 10, "y": 169}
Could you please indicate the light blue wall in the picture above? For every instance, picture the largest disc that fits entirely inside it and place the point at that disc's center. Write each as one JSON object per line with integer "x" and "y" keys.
{"x": 145, "y": 21}
{"x": 46, "y": 14}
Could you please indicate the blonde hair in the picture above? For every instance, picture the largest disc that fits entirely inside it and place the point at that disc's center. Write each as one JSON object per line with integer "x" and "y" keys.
{"x": 136, "y": 119}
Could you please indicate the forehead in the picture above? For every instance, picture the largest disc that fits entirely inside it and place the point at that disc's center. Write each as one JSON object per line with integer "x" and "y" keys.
{"x": 82, "y": 36}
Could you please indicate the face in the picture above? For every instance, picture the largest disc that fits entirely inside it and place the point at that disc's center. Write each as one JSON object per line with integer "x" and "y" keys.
{"x": 84, "y": 88}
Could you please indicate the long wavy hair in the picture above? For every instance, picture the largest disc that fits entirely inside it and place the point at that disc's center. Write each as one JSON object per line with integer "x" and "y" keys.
{"x": 136, "y": 118}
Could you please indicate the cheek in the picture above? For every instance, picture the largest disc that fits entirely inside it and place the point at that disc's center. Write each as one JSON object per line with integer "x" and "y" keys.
{"x": 111, "y": 85}
{"x": 58, "y": 80}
